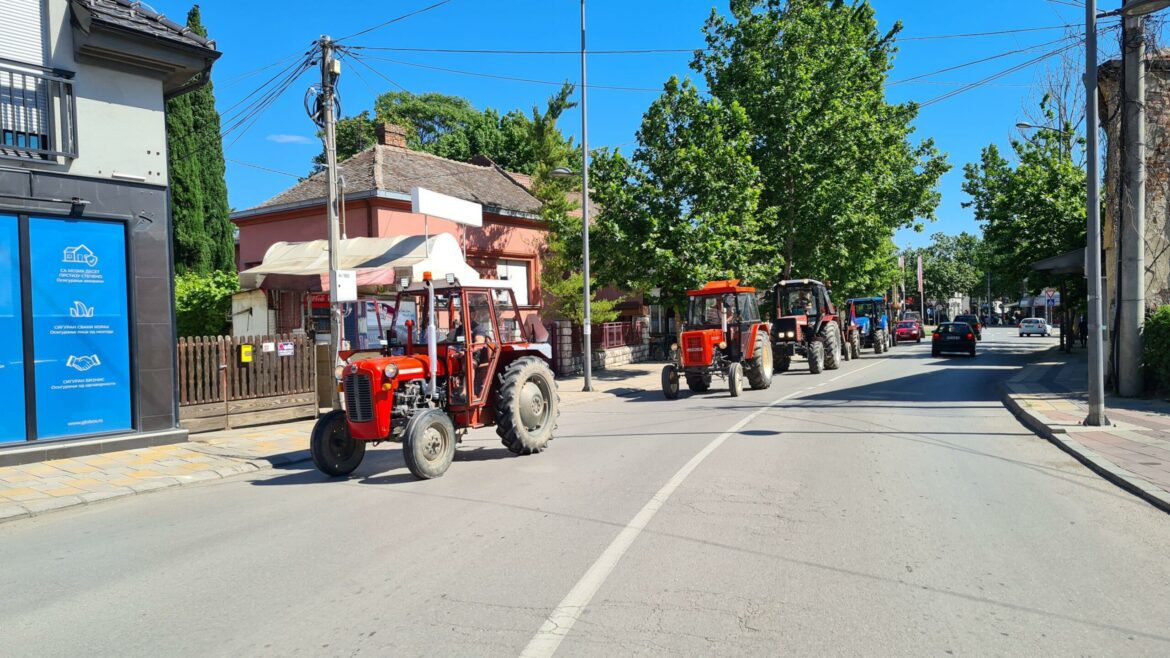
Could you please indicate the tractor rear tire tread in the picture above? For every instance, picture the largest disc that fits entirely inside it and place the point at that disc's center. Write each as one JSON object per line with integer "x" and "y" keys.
{"x": 758, "y": 368}
{"x": 515, "y": 436}
{"x": 831, "y": 337}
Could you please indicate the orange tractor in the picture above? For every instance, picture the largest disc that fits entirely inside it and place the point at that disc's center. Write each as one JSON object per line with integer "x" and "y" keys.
{"x": 455, "y": 359}
{"x": 722, "y": 335}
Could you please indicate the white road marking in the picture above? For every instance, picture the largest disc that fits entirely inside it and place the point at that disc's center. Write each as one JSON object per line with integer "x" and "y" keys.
{"x": 554, "y": 630}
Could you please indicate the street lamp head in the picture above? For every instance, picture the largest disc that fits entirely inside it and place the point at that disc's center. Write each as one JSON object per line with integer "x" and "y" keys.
{"x": 1023, "y": 125}
{"x": 565, "y": 172}
{"x": 1135, "y": 8}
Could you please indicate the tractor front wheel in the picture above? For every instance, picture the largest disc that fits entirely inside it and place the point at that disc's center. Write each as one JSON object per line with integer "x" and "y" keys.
{"x": 879, "y": 342}
{"x": 781, "y": 363}
{"x": 735, "y": 379}
{"x": 831, "y": 337}
{"x": 669, "y": 381}
{"x": 759, "y": 367}
{"x": 334, "y": 451}
{"x": 855, "y": 344}
{"x": 429, "y": 444}
{"x": 816, "y": 357}
{"x": 527, "y": 406}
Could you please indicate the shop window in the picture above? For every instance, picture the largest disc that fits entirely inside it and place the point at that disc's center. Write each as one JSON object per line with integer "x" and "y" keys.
{"x": 12, "y": 411}
{"x": 81, "y": 333}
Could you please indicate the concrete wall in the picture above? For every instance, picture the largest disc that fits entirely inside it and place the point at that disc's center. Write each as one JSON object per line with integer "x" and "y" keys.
{"x": 1157, "y": 180}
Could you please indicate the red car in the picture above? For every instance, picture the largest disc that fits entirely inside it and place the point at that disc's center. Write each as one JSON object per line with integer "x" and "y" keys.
{"x": 910, "y": 330}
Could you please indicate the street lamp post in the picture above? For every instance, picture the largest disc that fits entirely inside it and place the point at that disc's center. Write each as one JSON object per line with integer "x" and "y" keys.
{"x": 564, "y": 172}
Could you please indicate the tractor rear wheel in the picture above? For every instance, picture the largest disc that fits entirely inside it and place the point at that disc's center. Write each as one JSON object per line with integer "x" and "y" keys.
{"x": 735, "y": 379}
{"x": 831, "y": 337}
{"x": 334, "y": 451}
{"x": 816, "y": 357}
{"x": 759, "y": 367}
{"x": 527, "y": 406}
{"x": 428, "y": 447}
{"x": 669, "y": 381}
{"x": 698, "y": 382}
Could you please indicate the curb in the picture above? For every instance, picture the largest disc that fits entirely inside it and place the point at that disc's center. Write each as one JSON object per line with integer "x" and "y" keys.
{"x": 17, "y": 511}
{"x": 1094, "y": 462}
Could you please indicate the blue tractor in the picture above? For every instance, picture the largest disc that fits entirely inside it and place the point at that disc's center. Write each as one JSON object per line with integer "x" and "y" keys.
{"x": 872, "y": 318}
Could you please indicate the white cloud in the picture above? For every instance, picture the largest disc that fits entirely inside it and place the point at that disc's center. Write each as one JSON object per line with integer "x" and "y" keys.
{"x": 291, "y": 139}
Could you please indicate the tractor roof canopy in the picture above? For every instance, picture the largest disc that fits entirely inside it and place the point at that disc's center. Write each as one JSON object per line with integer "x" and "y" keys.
{"x": 720, "y": 287}
{"x": 865, "y": 299}
{"x": 800, "y": 282}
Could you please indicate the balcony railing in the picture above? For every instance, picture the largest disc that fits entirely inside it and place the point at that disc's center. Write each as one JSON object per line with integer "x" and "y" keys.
{"x": 38, "y": 114}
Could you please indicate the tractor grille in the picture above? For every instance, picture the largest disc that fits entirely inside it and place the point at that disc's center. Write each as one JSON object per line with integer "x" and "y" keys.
{"x": 359, "y": 398}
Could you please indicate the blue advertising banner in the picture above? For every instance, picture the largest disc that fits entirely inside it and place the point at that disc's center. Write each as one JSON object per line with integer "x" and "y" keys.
{"x": 12, "y": 329}
{"x": 80, "y": 326}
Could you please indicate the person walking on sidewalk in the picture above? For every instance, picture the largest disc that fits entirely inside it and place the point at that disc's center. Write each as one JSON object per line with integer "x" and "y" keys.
{"x": 1083, "y": 330}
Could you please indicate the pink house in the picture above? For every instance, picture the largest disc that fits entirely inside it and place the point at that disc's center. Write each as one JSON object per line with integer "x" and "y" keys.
{"x": 376, "y": 192}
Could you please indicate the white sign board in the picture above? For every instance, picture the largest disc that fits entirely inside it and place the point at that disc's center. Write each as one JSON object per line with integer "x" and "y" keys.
{"x": 267, "y": 347}
{"x": 427, "y": 202}
{"x": 345, "y": 287}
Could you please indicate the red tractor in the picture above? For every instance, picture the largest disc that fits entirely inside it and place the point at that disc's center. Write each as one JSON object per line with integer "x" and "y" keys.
{"x": 722, "y": 335}
{"x": 456, "y": 359}
{"x": 805, "y": 323}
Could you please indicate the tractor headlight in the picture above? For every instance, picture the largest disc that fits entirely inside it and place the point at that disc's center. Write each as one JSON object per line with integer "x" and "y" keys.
{"x": 790, "y": 334}
{"x": 390, "y": 371}
{"x": 722, "y": 345}
{"x": 674, "y": 347}
{"x": 339, "y": 373}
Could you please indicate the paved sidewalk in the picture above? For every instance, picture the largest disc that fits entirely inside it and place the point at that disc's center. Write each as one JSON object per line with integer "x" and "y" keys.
{"x": 1050, "y": 397}
{"x": 31, "y": 489}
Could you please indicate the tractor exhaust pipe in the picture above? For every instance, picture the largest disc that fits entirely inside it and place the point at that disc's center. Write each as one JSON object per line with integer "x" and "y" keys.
{"x": 432, "y": 343}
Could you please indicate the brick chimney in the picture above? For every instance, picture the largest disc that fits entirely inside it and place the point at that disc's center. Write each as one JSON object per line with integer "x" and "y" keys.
{"x": 390, "y": 134}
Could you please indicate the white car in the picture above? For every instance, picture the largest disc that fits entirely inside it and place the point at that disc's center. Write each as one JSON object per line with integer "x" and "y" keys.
{"x": 1029, "y": 326}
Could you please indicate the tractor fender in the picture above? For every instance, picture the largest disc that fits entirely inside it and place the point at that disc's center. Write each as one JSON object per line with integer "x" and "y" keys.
{"x": 516, "y": 350}
{"x": 747, "y": 341}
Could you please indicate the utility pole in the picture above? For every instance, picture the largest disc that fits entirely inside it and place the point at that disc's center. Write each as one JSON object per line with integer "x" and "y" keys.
{"x": 330, "y": 70}
{"x": 1096, "y": 417}
{"x": 1133, "y": 225}
{"x": 587, "y": 329}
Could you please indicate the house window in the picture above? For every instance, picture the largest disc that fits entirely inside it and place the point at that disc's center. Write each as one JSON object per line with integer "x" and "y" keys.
{"x": 22, "y": 31}
{"x": 515, "y": 272}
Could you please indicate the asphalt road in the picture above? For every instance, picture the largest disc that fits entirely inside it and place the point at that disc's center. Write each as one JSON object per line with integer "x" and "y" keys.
{"x": 889, "y": 507}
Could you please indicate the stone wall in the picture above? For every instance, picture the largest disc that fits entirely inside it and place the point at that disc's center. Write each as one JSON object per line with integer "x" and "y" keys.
{"x": 1157, "y": 179}
{"x": 569, "y": 364}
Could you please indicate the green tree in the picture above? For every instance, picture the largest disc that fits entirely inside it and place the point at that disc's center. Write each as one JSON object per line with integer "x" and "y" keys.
{"x": 447, "y": 126}
{"x": 203, "y": 302}
{"x": 1030, "y": 210}
{"x": 204, "y": 238}
{"x": 950, "y": 264}
{"x": 839, "y": 171}
{"x": 682, "y": 211}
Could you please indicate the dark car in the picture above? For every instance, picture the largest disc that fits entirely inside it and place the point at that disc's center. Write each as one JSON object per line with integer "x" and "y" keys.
{"x": 973, "y": 320}
{"x": 953, "y": 337}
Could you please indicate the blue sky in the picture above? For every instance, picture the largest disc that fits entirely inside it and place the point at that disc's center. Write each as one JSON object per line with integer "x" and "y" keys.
{"x": 253, "y": 35}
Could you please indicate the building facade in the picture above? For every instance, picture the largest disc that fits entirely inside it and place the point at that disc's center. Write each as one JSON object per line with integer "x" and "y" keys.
{"x": 86, "y": 273}
{"x": 376, "y": 191}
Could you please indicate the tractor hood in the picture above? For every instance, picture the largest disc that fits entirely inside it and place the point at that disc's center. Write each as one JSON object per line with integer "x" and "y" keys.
{"x": 699, "y": 345}
{"x": 409, "y": 367}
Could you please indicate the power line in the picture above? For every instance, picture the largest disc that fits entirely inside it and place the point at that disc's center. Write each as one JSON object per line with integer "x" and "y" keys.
{"x": 1000, "y": 74}
{"x": 378, "y": 73}
{"x": 652, "y": 51}
{"x": 396, "y": 19}
{"x": 263, "y": 168}
{"x": 507, "y": 77}
{"x": 981, "y": 60}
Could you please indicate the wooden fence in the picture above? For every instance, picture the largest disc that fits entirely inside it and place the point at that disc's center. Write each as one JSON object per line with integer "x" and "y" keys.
{"x": 219, "y": 389}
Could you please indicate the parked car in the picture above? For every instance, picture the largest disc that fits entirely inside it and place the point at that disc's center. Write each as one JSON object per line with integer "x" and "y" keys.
{"x": 909, "y": 330}
{"x": 953, "y": 337}
{"x": 1029, "y": 326}
{"x": 973, "y": 320}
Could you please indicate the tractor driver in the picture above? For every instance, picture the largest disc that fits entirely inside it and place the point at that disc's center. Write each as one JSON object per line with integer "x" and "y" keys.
{"x": 802, "y": 303}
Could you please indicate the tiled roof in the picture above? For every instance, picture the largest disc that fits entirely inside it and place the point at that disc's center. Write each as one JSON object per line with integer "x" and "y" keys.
{"x": 137, "y": 16}
{"x": 395, "y": 169}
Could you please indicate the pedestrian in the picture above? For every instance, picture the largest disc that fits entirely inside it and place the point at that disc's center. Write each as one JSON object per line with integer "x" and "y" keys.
{"x": 1083, "y": 330}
